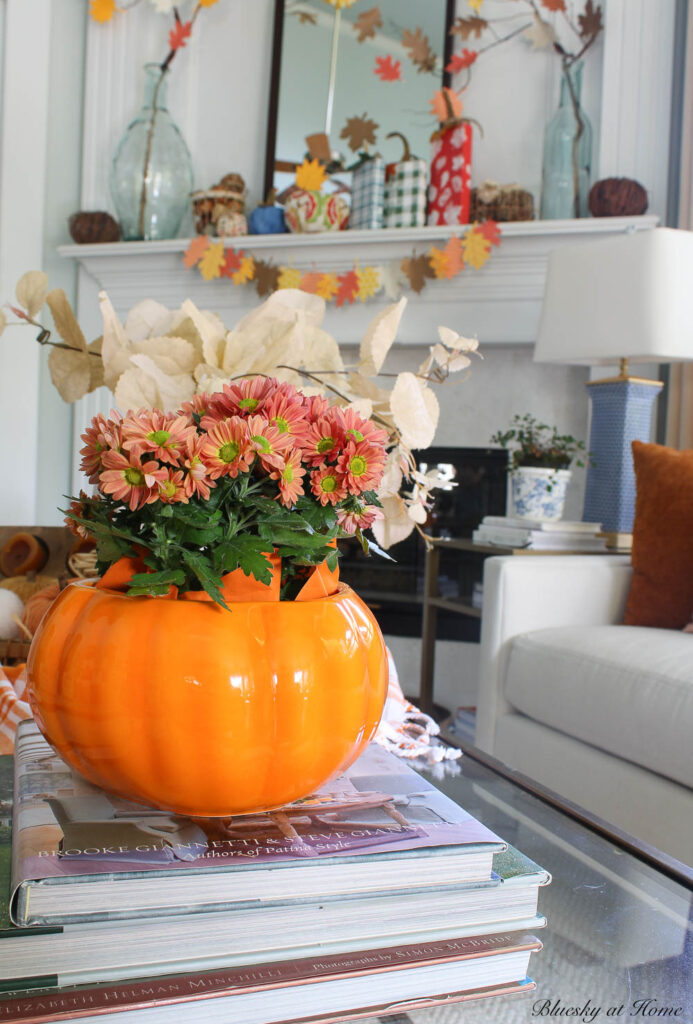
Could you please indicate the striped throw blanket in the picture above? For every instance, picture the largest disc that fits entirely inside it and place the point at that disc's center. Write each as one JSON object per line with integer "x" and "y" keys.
{"x": 13, "y": 708}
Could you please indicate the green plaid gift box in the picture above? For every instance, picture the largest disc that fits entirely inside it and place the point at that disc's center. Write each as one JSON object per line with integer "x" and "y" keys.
{"x": 367, "y": 192}
{"x": 405, "y": 194}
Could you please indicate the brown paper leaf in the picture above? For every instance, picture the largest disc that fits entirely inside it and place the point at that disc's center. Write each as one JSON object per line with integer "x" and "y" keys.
{"x": 31, "y": 291}
{"x": 590, "y": 21}
{"x": 419, "y": 48}
{"x": 366, "y": 24}
{"x": 359, "y": 132}
{"x": 319, "y": 147}
{"x": 65, "y": 321}
{"x": 466, "y": 27}
{"x": 70, "y": 372}
{"x": 417, "y": 269}
{"x": 266, "y": 277}
{"x": 305, "y": 17}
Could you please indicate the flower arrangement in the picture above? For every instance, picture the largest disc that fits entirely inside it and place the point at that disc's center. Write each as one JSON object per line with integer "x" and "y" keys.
{"x": 162, "y": 359}
{"x": 536, "y": 444}
{"x": 226, "y": 479}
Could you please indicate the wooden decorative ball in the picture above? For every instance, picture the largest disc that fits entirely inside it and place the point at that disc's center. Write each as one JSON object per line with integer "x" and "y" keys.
{"x": 93, "y": 226}
{"x": 617, "y": 197}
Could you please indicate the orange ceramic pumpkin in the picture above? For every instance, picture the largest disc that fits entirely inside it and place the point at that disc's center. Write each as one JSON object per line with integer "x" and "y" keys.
{"x": 201, "y": 711}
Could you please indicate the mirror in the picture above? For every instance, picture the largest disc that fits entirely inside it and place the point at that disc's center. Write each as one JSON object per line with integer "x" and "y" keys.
{"x": 340, "y": 59}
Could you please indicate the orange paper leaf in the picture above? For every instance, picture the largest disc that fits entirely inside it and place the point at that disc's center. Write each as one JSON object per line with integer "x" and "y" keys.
{"x": 311, "y": 282}
{"x": 348, "y": 287}
{"x": 102, "y": 10}
{"x": 310, "y": 175}
{"x": 554, "y": 5}
{"x": 453, "y": 251}
{"x": 232, "y": 262}
{"x": 439, "y": 262}
{"x": 179, "y": 34}
{"x": 196, "y": 250}
{"x": 213, "y": 260}
{"x": 328, "y": 287}
{"x": 388, "y": 70}
{"x": 246, "y": 271}
{"x": 440, "y": 108}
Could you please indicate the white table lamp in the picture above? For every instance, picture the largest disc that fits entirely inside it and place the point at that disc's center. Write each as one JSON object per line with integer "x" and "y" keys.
{"x": 606, "y": 302}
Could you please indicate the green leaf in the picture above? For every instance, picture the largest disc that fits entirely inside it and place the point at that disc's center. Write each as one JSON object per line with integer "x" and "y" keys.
{"x": 166, "y": 578}
{"x": 210, "y": 582}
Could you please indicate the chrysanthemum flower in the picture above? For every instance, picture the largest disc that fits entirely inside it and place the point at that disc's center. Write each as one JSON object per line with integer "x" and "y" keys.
{"x": 361, "y": 466}
{"x": 172, "y": 488}
{"x": 196, "y": 408}
{"x": 353, "y": 519}
{"x": 100, "y": 436}
{"x": 266, "y": 440}
{"x": 287, "y": 413}
{"x": 322, "y": 442}
{"x": 128, "y": 479}
{"x": 163, "y": 435}
{"x": 327, "y": 485}
{"x": 316, "y": 406}
{"x": 197, "y": 482}
{"x": 356, "y": 429}
{"x": 226, "y": 450}
{"x": 243, "y": 397}
{"x": 78, "y": 508}
{"x": 289, "y": 478}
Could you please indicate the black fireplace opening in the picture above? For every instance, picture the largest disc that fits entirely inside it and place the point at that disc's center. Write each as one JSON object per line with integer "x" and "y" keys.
{"x": 476, "y": 486}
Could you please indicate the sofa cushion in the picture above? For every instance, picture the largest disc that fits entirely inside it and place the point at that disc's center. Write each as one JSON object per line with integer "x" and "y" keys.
{"x": 625, "y": 689}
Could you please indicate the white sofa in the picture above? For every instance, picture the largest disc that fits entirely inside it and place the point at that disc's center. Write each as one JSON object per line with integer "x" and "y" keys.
{"x": 599, "y": 712}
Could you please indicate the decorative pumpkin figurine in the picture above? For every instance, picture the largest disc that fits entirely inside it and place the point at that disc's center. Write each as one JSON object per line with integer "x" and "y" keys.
{"x": 308, "y": 209}
{"x": 214, "y": 677}
{"x": 405, "y": 189}
{"x": 449, "y": 193}
{"x": 267, "y": 218}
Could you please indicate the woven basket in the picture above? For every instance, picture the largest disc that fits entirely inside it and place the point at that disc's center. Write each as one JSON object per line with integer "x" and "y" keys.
{"x": 505, "y": 203}
{"x": 14, "y": 651}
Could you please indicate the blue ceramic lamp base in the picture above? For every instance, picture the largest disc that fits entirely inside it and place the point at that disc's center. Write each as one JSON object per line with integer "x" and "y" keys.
{"x": 621, "y": 414}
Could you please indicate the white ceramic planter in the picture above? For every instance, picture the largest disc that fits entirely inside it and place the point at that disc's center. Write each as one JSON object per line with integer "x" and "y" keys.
{"x": 539, "y": 493}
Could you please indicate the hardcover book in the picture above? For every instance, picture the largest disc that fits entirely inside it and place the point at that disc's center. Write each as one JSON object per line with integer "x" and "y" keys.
{"x": 354, "y": 984}
{"x": 80, "y": 854}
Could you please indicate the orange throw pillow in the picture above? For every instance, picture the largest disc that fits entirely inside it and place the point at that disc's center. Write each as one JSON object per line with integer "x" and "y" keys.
{"x": 661, "y": 593}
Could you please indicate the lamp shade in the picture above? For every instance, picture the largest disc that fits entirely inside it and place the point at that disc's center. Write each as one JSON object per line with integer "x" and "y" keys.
{"x": 629, "y": 297}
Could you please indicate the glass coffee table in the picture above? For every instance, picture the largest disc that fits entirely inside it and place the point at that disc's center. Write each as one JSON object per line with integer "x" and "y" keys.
{"x": 619, "y": 936}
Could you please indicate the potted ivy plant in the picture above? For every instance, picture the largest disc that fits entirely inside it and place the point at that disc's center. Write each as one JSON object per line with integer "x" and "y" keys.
{"x": 540, "y": 466}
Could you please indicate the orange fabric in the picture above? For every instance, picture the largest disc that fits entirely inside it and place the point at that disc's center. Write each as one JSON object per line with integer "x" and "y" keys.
{"x": 661, "y": 593}
{"x": 13, "y": 672}
{"x": 239, "y": 587}
{"x": 118, "y": 576}
{"x": 321, "y": 583}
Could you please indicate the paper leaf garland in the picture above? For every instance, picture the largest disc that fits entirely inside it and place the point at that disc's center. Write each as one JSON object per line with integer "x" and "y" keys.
{"x": 439, "y": 106}
{"x": 473, "y": 248}
{"x": 476, "y": 248}
{"x": 213, "y": 260}
{"x": 366, "y": 24}
{"x": 348, "y": 287}
{"x": 195, "y": 250}
{"x": 460, "y": 61}
{"x": 387, "y": 70}
{"x": 359, "y": 132}
{"x": 266, "y": 277}
{"x": 417, "y": 269}
{"x": 102, "y": 10}
{"x": 466, "y": 27}
{"x": 590, "y": 21}
{"x": 310, "y": 175}
{"x": 179, "y": 34}
{"x": 422, "y": 56}
{"x": 554, "y": 5}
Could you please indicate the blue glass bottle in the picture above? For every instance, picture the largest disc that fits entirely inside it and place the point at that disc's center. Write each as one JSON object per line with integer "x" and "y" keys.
{"x": 151, "y": 173}
{"x": 567, "y": 154}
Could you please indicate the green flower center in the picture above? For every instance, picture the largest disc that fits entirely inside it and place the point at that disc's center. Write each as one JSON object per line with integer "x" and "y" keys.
{"x": 134, "y": 477}
{"x": 358, "y": 465}
{"x": 287, "y": 474}
{"x": 281, "y": 424}
{"x": 262, "y": 443}
{"x": 229, "y": 451}
{"x": 158, "y": 437}
{"x": 248, "y": 403}
{"x": 356, "y": 434}
{"x": 325, "y": 444}
{"x": 328, "y": 484}
{"x": 168, "y": 489}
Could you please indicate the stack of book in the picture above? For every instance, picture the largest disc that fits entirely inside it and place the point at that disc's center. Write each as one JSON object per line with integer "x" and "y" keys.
{"x": 376, "y": 894}
{"x": 562, "y": 535}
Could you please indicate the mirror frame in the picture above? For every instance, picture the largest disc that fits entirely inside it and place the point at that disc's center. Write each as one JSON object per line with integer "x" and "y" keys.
{"x": 273, "y": 114}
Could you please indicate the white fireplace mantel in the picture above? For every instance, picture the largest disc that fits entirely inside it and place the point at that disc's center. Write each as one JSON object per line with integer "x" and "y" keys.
{"x": 499, "y": 303}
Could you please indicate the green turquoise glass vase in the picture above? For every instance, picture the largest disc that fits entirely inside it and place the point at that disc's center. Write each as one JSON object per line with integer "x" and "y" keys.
{"x": 567, "y": 163}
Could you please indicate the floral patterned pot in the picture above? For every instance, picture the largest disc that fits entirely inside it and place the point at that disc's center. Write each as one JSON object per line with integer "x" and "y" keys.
{"x": 309, "y": 211}
{"x": 539, "y": 493}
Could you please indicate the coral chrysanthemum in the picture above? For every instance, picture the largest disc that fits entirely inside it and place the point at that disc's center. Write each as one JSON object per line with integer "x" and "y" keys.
{"x": 227, "y": 451}
{"x": 163, "y": 436}
{"x": 361, "y": 464}
{"x": 130, "y": 480}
